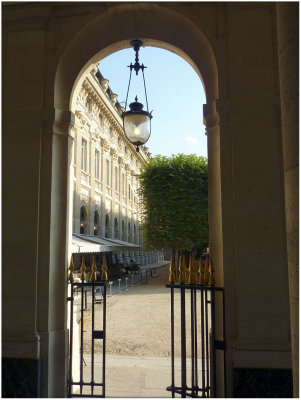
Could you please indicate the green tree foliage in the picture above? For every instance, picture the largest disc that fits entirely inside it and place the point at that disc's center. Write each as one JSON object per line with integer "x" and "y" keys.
{"x": 174, "y": 202}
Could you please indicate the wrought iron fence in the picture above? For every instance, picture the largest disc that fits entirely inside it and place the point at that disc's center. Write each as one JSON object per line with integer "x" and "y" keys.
{"x": 194, "y": 304}
{"x": 86, "y": 376}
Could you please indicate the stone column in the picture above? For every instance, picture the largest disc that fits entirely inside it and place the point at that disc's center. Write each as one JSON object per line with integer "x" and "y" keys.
{"x": 60, "y": 248}
{"x": 120, "y": 164}
{"x": 214, "y": 190}
{"x": 77, "y": 155}
{"x": 126, "y": 219}
{"x": 211, "y": 120}
{"x": 104, "y": 149}
{"x": 113, "y": 162}
{"x": 288, "y": 51}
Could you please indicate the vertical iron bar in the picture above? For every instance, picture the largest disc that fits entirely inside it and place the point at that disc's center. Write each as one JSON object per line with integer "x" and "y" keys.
{"x": 81, "y": 337}
{"x": 203, "y": 348}
{"x": 213, "y": 344}
{"x": 207, "y": 339}
{"x": 192, "y": 342}
{"x": 70, "y": 343}
{"x": 183, "y": 343}
{"x": 195, "y": 342}
{"x": 224, "y": 339}
{"x": 104, "y": 339}
{"x": 172, "y": 343}
{"x": 92, "y": 343}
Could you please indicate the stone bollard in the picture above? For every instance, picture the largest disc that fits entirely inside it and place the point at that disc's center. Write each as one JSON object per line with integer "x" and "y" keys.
{"x": 126, "y": 283}
{"x": 132, "y": 280}
{"x": 119, "y": 280}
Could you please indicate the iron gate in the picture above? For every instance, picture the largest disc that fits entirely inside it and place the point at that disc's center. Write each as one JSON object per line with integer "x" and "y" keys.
{"x": 86, "y": 374}
{"x": 198, "y": 376}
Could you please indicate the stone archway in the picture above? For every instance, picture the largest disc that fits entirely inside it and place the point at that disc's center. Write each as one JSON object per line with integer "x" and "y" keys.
{"x": 114, "y": 30}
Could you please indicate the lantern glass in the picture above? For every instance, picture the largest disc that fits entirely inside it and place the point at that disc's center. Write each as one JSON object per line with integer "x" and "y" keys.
{"x": 137, "y": 128}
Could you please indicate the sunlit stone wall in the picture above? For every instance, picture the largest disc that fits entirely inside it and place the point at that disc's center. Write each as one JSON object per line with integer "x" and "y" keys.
{"x": 105, "y": 165}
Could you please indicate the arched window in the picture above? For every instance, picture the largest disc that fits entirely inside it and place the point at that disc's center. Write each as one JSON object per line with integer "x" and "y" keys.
{"x": 83, "y": 220}
{"x": 96, "y": 223}
{"x": 107, "y": 226}
{"x": 116, "y": 233}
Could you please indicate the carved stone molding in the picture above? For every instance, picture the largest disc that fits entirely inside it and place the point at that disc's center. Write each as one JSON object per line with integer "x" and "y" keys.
{"x": 94, "y": 69}
{"x": 84, "y": 200}
{"x": 64, "y": 120}
{"x": 211, "y": 117}
{"x": 112, "y": 150}
{"x": 106, "y": 147}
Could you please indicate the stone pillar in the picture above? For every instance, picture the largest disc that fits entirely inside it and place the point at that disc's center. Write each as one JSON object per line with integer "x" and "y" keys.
{"x": 119, "y": 257}
{"x": 127, "y": 257}
{"x": 113, "y": 163}
{"x": 214, "y": 189}
{"x": 120, "y": 164}
{"x": 104, "y": 149}
{"x": 127, "y": 174}
{"x": 77, "y": 156}
{"x": 288, "y": 51}
{"x": 60, "y": 248}
{"x": 138, "y": 258}
{"x": 211, "y": 120}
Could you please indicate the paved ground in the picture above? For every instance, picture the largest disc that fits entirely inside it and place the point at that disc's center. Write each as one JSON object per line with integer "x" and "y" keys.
{"x": 136, "y": 377}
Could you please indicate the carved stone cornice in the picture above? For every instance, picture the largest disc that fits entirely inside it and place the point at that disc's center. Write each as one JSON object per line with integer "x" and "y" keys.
{"x": 211, "y": 121}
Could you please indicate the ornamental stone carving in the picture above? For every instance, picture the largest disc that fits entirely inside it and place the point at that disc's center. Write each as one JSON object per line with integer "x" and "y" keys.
{"x": 104, "y": 84}
{"x": 94, "y": 69}
{"x": 113, "y": 98}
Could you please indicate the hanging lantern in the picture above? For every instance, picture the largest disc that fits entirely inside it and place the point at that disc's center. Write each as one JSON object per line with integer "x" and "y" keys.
{"x": 136, "y": 121}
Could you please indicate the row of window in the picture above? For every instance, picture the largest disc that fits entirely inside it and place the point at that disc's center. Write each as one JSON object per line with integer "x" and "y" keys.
{"x": 88, "y": 105}
{"x": 84, "y": 167}
{"x": 83, "y": 226}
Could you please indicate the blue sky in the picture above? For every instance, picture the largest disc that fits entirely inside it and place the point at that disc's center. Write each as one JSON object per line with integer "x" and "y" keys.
{"x": 175, "y": 94}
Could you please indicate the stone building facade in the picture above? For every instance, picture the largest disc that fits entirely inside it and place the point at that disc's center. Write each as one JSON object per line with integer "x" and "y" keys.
{"x": 105, "y": 166}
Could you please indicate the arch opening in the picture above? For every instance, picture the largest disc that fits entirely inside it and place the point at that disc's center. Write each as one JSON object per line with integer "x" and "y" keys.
{"x": 78, "y": 60}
